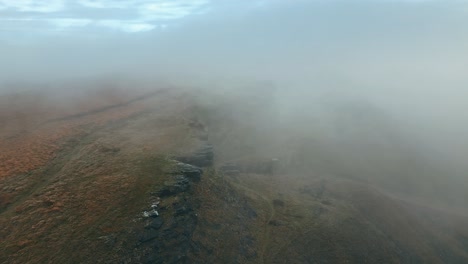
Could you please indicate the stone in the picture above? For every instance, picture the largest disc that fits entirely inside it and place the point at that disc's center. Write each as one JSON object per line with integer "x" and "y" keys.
{"x": 151, "y": 213}
{"x": 181, "y": 210}
{"x": 179, "y": 183}
{"x": 192, "y": 172}
{"x": 155, "y": 223}
{"x": 202, "y": 157}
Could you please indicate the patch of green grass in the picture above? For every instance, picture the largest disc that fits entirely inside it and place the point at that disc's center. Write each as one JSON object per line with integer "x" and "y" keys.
{"x": 151, "y": 172}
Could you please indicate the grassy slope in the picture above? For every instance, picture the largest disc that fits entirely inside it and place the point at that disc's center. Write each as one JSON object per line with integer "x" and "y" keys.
{"x": 93, "y": 189}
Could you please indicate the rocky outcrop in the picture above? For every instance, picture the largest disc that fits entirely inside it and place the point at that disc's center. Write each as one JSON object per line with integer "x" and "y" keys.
{"x": 202, "y": 157}
{"x": 192, "y": 172}
{"x": 178, "y": 184}
{"x": 167, "y": 228}
{"x": 180, "y": 180}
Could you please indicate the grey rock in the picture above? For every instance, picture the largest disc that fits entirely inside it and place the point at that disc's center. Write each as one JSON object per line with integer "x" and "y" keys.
{"x": 178, "y": 184}
{"x": 181, "y": 210}
{"x": 151, "y": 213}
{"x": 202, "y": 157}
{"x": 192, "y": 172}
{"x": 155, "y": 223}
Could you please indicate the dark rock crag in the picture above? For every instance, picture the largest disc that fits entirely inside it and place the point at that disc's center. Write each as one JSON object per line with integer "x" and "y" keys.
{"x": 202, "y": 157}
{"x": 166, "y": 235}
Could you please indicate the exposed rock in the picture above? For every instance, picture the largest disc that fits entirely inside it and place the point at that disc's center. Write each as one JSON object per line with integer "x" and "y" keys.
{"x": 172, "y": 243}
{"x": 177, "y": 184}
{"x": 152, "y": 213}
{"x": 247, "y": 247}
{"x": 182, "y": 209}
{"x": 155, "y": 223}
{"x": 192, "y": 172}
{"x": 202, "y": 157}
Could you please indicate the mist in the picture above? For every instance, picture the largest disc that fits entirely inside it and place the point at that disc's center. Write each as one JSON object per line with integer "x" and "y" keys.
{"x": 373, "y": 90}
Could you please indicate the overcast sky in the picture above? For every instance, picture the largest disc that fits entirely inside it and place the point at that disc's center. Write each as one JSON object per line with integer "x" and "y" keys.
{"x": 399, "y": 40}
{"x": 129, "y": 16}
{"x": 22, "y": 16}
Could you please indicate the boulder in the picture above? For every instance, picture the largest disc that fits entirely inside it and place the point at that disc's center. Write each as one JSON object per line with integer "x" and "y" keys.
{"x": 155, "y": 223}
{"x": 178, "y": 184}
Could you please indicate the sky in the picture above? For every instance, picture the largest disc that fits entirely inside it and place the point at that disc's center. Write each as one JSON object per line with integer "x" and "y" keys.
{"x": 21, "y": 16}
{"x": 346, "y": 40}
{"x": 128, "y": 16}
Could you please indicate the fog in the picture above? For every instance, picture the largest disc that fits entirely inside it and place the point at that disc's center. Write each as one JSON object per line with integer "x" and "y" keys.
{"x": 372, "y": 85}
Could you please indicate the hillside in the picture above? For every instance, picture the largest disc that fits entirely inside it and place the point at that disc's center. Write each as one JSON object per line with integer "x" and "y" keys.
{"x": 83, "y": 183}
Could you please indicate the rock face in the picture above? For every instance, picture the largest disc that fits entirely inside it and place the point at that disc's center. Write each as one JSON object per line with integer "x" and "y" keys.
{"x": 192, "y": 172}
{"x": 181, "y": 179}
{"x": 202, "y": 157}
{"x": 166, "y": 236}
{"x": 155, "y": 223}
{"x": 178, "y": 184}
